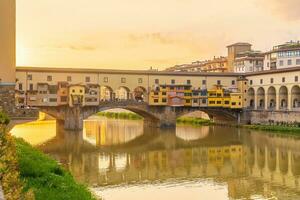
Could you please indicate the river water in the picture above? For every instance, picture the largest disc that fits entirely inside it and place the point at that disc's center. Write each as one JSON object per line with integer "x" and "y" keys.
{"x": 123, "y": 159}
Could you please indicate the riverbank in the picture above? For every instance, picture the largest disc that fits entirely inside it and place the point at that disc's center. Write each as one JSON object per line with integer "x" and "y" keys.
{"x": 120, "y": 115}
{"x": 195, "y": 121}
{"x": 283, "y": 129}
{"x": 27, "y": 173}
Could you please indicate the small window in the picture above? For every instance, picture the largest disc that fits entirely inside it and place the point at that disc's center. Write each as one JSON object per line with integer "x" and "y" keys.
{"x": 203, "y": 82}
{"x": 73, "y": 91}
{"x": 80, "y": 91}
{"x": 271, "y": 80}
{"x": 289, "y": 62}
{"x": 31, "y": 86}
{"x": 233, "y": 82}
{"x": 219, "y": 102}
{"x": 49, "y": 78}
{"x": 155, "y": 100}
{"x": 29, "y": 77}
{"x": 164, "y": 93}
{"x": 105, "y": 79}
{"x": 173, "y": 81}
{"x": 156, "y": 81}
{"x": 69, "y": 78}
{"x": 218, "y": 82}
{"x": 281, "y": 63}
{"x": 204, "y": 101}
{"x": 195, "y": 100}
{"x": 226, "y": 102}
{"x": 188, "y": 82}
{"x": 123, "y": 80}
{"x": 140, "y": 80}
{"x": 164, "y": 100}
{"x": 20, "y": 86}
{"x": 296, "y": 78}
{"x": 251, "y": 82}
{"x": 87, "y": 79}
{"x": 261, "y": 81}
{"x": 233, "y": 103}
{"x": 283, "y": 79}
{"x": 298, "y": 62}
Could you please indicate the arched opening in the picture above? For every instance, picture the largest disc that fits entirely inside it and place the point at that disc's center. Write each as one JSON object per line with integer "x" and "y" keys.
{"x": 261, "y": 98}
{"x": 123, "y": 94}
{"x": 251, "y": 98}
{"x": 106, "y": 93}
{"x": 271, "y": 98}
{"x": 140, "y": 94}
{"x": 283, "y": 97}
{"x": 295, "y": 95}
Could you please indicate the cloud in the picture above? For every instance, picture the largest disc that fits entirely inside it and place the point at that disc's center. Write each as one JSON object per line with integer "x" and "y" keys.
{"x": 71, "y": 47}
{"x": 152, "y": 37}
{"x": 288, "y": 9}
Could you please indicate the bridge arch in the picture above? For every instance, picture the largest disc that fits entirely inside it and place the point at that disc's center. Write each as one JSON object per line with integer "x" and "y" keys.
{"x": 271, "y": 97}
{"x": 140, "y": 94}
{"x": 106, "y": 93}
{"x": 283, "y": 97}
{"x": 123, "y": 93}
{"x": 295, "y": 96}
{"x": 251, "y": 98}
{"x": 261, "y": 98}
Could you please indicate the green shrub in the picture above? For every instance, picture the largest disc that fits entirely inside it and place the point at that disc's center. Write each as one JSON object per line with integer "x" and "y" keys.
{"x": 120, "y": 115}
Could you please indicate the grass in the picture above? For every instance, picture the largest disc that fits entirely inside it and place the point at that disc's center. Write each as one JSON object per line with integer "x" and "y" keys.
{"x": 275, "y": 128}
{"x": 194, "y": 121}
{"x": 45, "y": 177}
{"x": 120, "y": 115}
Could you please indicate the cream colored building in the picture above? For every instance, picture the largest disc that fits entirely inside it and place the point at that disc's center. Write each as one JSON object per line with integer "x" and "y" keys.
{"x": 7, "y": 42}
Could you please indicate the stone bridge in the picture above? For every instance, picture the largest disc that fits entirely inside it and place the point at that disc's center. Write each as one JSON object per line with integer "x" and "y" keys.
{"x": 158, "y": 116}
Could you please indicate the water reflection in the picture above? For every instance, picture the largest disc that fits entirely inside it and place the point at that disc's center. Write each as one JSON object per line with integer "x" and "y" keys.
{"x": 122, "y": 157}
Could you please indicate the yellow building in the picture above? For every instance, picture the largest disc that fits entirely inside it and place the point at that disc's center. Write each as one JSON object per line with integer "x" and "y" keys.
{"x": 76, "y": 95}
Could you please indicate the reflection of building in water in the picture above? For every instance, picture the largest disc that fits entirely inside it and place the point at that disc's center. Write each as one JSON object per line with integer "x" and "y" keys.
{"x": 106, "y": 132}
{"x": 189, "y": 133}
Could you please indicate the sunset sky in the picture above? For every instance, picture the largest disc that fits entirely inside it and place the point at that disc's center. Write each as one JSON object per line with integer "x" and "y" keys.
{"x": 137, "y": 34}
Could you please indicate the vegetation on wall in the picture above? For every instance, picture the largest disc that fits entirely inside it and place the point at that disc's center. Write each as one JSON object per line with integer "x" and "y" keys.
{"x": 120, "y": 115}
{"x": 194, "y": 121}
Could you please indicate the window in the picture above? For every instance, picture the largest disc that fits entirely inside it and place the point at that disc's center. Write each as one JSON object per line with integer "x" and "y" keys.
{"x": 233, "y": 82}
{"x": 298, "y": 62}
{"x": 53, "y": 100}
{"x": 87, "y": 79}
{"x": 283, "y": 79}
{"x": 233, "y": 103}
{"x": 296, "y": 78}
{"x": 123, "y": 80}
{"x": 164, "y": 93}
{"x": 281, "y": 63}
{"x": 49, "y": 78}
{"x": 173, "y": 81}
{"x": 140, "y": 80}
{"x": 155, "y": 100}
{"x": 261, "y": 81}
{"x": 203, "y": 82}
{"x": 73, "y": 91}
{"x": 289, "y": 62}
{"x": 188, "y": 82}
{"x": 212, "y": 102}
{"x": 164, "y": 100}
{"x": 80, "y": 91}
{"x": 251, "y": 82}
{"x": 30, "y": 86}
{"x": 218, "y": 82}
{"x": 20, "y": 86}
{"x": 29, "y": 77}
{"x": 271, "y": 80}
{"x": 69, "y": 78}
{"x": 204, "y": 101}
{"x": 195, "y": 100}
{"x": 155, "y": 93}
{"x": 187, "y": 101}
{"x": 105, "y": 79}
{"x": 63, "y": 99}
{"x": 226, "y": 102}
{"x": 219, "y": 102}
{"x": 156, "y": 81}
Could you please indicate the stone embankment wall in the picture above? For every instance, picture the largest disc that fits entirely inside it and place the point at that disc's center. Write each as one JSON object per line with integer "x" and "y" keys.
{"x": 273, "y": 117}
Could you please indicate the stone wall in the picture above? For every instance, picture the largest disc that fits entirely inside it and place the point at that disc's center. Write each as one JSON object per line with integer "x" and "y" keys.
{"x": 7, "y": 99}
{"x": 7, "y": 104}
{"x": 273, "y": 117}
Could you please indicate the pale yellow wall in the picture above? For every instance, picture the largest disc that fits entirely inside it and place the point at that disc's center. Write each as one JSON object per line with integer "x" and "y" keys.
{"x": 7, "y": 41}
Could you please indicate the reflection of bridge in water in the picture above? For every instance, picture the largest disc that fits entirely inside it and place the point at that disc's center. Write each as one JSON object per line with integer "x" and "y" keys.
{"x": 146, "y": 155}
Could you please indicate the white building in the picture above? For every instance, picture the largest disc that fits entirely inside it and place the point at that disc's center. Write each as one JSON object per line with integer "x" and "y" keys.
{"x": 283, "y": 56}
{"x": 249, "y": 61}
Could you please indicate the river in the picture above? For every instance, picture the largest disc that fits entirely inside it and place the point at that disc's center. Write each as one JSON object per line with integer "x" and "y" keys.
{"x": 123, "y": 159}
